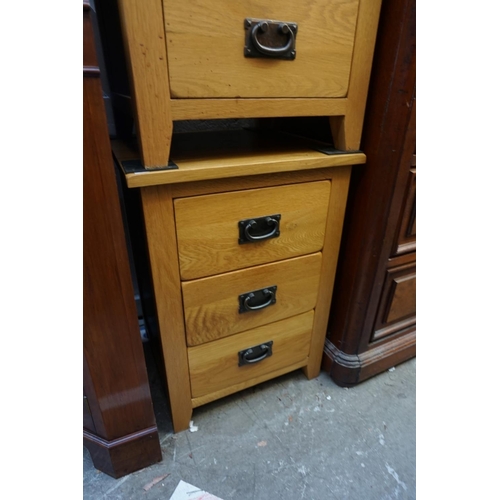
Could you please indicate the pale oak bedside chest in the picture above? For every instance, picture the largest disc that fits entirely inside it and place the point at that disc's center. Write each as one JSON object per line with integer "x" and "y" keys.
{"x": 243, "y": 228}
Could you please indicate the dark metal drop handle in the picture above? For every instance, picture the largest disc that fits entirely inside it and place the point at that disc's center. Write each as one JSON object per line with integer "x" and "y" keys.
{"x": 263, "y": 26}
{"x": 270, "y": 222}
{"x": 250, "y": 296}
{"x": 261, "y": 299}
{"x": 263, "y": 351}
{"x": 249, "y": 352}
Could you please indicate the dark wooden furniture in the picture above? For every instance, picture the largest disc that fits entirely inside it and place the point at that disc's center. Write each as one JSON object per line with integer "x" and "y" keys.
{"x": 119, "y": 427}
{"x": 372, "y": 323}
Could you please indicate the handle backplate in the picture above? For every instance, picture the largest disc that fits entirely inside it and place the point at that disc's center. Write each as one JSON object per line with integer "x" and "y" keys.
{"x": 255, "y": 354}
{"x": 259, "y": 229}
{"x": 270, "y": 39}
{"x": 257, "y": 299}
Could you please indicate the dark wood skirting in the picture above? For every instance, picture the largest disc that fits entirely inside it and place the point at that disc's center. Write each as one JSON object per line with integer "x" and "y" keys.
{"x": 348, "y": 370}
{"x": 120, "y": 457}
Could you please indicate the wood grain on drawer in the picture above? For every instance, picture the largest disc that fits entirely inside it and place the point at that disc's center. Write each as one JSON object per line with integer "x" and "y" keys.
{"x": 211, "y": 305}
{"x": 208, "y": 227}
{"x": 208, "y": 39}
{"x": 214, "y": 366}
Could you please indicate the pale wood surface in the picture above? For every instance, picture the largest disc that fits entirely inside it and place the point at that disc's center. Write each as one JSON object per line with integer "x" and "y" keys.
{"x": 207, "y": 227}
{"x": 200, "y": 109}
{"x": 161, "y": 236}
{"x": 207, "y": 38}
{"x": 159, "y": 219}
{"x": 249, "y": 182}
{"x": 335, "y": 221}
{"x": 334, "y": 50}
{"x": 205, "y": 170}
{"x": 346, "y": 130}
{"x": 329, "y": 77}
{"x": 234, "y": 147}
{"x": 247, "y": 383}
{"x": 214, "y": 366}
{"x": 144, "y": 43}
{"x": 219, "y": 155}
{"x": 211, "y": 305}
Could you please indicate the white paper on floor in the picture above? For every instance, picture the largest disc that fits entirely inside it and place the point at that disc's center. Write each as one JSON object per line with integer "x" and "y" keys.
{"x": 186, "y": 491}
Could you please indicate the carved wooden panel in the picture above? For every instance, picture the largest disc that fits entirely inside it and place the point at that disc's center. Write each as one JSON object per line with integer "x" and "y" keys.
{"x": 406, "y": 237}
{"x": 397, "y": 310}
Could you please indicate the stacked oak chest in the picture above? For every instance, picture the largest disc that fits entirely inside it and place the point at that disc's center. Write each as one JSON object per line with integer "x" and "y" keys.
{"x": 243, "y": 228}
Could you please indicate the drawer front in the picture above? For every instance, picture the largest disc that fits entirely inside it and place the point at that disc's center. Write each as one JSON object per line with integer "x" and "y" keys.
{"x": 215, "y": 366}
{"x": 208, "y": 38}
{"x": 220, "y": 306}
{"x": 209, "y": 227}
{"x": 398, "y": 306}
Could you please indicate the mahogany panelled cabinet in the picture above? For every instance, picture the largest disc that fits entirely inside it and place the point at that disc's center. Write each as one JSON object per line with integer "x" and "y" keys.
{"x": 119, "y": 426}
{"x": 243, "y": 227}
{"x": 372, "y": 324}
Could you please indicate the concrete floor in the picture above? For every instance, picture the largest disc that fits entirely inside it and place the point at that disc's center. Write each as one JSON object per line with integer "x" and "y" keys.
{"x": 288, "y": 438}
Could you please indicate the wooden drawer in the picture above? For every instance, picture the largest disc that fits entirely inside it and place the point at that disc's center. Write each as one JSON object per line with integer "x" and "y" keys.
{"x": 208, "y": 38}
{"x": 212, "y": 305}
{"x": 213, "y": 367}
{"x": 209, "y": 227}
{"x": 398, "y": 306}
{"x": 198, "y": 266}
